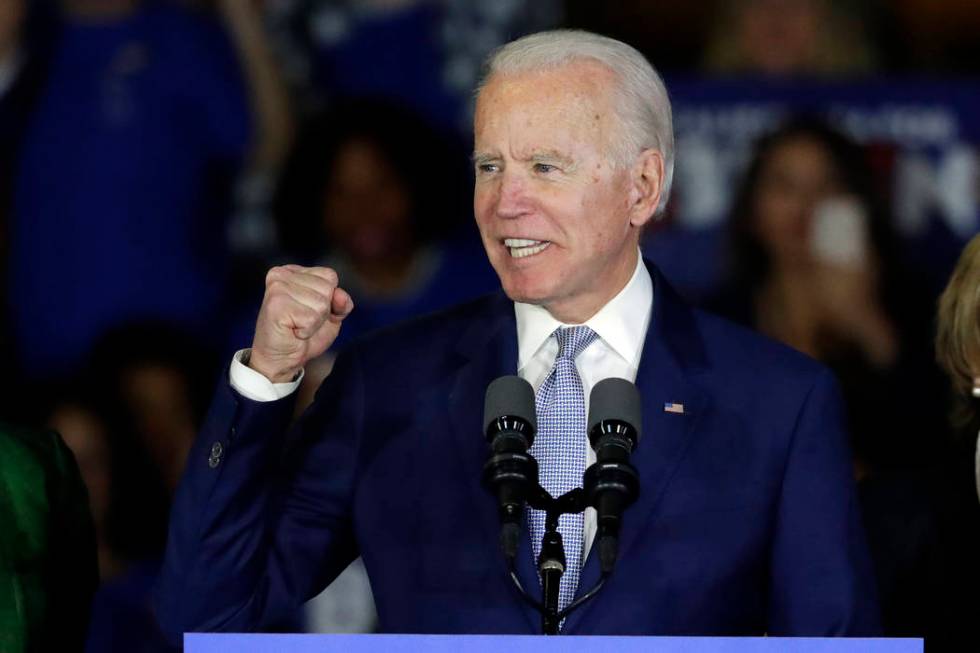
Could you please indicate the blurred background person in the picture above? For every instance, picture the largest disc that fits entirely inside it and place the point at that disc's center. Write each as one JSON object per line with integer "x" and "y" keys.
{"x": 147, "y": 113}
{"x": 24, "y": 35}
{"x": 424, "y": 55}
{"x": 958, "y": 352}
{"x": 958, "y": 348}
{"x": 131, "y": 419}
{"x": 814, "y": 265}
{"x": 128, "y": 502}
{"x": 376, "y": 193}
{"x": 157, "y": 378}
{"x": 85, "y": 431}
{"x": 789, "y": 37}
{"x": 48, "y": 570}
{"x": 23, "y": 56}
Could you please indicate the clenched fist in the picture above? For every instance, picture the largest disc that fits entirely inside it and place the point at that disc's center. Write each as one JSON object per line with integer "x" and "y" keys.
{"x": 299, "y": 319}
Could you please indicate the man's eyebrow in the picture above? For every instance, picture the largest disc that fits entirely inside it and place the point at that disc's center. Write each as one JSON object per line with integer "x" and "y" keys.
{"x": 482, "y": 157}
{"x": 552, "y": 155}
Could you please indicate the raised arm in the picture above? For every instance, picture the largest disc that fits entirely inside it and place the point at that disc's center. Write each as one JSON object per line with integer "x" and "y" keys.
{"x": 260, "y": 519}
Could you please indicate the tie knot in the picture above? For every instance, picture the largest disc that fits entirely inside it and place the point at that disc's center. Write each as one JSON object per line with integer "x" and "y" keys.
{"x": 572, "y": 341}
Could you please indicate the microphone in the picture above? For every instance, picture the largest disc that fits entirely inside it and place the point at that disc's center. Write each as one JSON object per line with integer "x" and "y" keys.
{"x": 612, "y": 484}
{"x": 510, "y": 422}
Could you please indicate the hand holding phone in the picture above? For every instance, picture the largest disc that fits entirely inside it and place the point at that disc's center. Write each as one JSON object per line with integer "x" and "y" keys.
{"x": 839, "y": 232}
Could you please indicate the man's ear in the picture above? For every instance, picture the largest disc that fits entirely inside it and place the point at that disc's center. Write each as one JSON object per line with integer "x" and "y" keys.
{"x": 646, "y": 184}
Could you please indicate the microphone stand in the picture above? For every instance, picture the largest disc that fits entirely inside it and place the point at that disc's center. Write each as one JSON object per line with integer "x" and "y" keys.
{"x": 551, "y": 561}
{"x": 611, "y": 484}
{"x": 551, "y": 566}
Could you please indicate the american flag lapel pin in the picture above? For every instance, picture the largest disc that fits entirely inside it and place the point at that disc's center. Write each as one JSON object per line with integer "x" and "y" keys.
{"x": 671, "y": 407}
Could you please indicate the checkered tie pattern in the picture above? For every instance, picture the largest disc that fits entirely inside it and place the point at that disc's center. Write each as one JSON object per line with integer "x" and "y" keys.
{"x": 559, "y": 448}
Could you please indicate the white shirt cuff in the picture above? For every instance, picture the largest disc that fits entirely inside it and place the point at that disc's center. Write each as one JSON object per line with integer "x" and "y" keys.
{"x": 252, "y": 385}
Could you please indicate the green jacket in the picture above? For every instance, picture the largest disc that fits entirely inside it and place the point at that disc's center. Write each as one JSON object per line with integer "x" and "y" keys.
{"x": 48, "y": 566}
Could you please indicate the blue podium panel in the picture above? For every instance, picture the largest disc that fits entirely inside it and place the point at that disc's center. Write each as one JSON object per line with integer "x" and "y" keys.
{"x": 208, "y": 643}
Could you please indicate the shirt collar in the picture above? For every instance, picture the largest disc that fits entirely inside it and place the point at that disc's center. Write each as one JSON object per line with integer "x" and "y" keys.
{"x": 621, "y": 323}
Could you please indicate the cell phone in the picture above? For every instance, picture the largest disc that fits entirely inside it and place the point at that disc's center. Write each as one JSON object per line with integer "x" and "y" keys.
{"x": 839, "y": 232}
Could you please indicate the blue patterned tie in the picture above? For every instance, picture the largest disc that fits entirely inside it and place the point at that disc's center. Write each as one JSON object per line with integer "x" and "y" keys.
{"x": 559, "y": 448}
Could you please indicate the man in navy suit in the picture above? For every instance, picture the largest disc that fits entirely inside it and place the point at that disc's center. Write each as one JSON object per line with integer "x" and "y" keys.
{"x": 747, "y": 521}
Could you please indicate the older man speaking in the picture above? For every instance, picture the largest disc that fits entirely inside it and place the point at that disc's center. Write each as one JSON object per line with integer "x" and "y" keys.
{"x": 747, "y": 521}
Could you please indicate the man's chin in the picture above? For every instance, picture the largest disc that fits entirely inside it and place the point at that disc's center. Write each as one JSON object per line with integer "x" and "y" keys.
{"x": 525, "y": 295}
{"x": 536, "y": 284}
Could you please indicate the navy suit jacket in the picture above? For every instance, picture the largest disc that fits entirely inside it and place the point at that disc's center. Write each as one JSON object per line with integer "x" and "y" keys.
{"x": 747, "y": 521}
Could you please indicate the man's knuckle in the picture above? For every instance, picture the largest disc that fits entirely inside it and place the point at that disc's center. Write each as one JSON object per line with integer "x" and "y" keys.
{"x": 330, "y": 276}
{"x": 279, "y": 303}
{"x": 275, "y": 285}
{"x": 273, "y": 274}
{"x": 306, "y": 316}
{"x": 321, "y": 304}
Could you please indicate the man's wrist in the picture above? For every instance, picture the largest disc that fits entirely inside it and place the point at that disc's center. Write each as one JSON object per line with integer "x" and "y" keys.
{"x": 253, "y": 385}
{"x": 289, "y": 375}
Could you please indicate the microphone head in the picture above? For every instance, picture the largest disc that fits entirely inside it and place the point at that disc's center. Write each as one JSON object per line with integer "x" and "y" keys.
{"x": 509, "y": 396}
{"x": 616, "y": 399}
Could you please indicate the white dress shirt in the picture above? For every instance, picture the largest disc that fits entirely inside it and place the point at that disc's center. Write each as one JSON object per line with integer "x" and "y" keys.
{"x": 621, "y": 326}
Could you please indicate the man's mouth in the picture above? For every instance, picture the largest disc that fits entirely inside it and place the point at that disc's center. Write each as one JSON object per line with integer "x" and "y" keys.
{"x": 521, "y": 247}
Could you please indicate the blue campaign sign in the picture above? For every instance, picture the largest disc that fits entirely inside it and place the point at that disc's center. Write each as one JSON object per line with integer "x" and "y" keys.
{"x": 207, "y": 643}
{"x": 924, "y": 133}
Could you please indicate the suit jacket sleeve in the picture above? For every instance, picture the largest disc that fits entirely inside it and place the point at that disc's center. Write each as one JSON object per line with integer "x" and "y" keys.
{"x": 261, "y": 519}
{"x": 822, "y": 582}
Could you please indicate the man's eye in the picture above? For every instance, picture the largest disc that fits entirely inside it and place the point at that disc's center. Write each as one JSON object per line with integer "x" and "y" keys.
{"x": 486, "y": 168}
{"x": 544, "y": 168}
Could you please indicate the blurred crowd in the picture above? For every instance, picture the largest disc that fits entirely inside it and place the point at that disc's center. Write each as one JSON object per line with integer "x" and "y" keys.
{"x": 156, "y": 157}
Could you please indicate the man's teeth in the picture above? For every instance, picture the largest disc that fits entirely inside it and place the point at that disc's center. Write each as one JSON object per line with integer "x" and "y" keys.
{"x": 521, "y": 247}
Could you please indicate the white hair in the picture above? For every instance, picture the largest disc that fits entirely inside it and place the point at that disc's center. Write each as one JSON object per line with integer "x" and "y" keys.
{"x": 642, "y": 104}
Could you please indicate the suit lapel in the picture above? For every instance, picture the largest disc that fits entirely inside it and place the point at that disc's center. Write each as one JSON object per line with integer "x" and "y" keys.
{"x": 672, "y": 355}
{"x": 488, "y": 349}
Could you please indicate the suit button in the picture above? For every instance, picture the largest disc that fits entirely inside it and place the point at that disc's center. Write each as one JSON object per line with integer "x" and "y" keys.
{"x": 216, "y": 451}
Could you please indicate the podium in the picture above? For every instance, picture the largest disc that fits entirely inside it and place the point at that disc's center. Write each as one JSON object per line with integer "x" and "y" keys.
{"x": 212, "y": 643}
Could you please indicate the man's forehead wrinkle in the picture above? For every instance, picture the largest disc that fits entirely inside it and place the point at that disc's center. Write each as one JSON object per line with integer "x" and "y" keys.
{"x": 552, "y": 112}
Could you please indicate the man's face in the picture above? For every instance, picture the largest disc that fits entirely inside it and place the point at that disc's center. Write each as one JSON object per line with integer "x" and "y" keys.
{"x": 555, "y": 213}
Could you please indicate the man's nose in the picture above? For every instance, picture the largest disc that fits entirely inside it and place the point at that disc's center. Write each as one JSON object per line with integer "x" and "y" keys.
{"x": 513, "y": 200}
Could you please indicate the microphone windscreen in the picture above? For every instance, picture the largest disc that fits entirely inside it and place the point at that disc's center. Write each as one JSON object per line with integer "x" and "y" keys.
{"x": 618, "y": 399}
{"x": 512, "y": 396}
